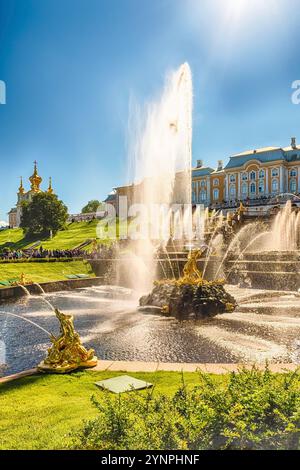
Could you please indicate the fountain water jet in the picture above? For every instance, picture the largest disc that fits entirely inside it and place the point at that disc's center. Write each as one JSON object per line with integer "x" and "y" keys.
{"x": 161, "y": 162}
{"x": 285, "y": 232}
{"x": 28, "y": 321}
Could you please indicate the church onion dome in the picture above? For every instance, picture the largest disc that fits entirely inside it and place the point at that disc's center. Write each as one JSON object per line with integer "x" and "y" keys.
{"x": 35, "y": 180}
{"x": 21, "y": 188}
{"x": 50, "y": 189}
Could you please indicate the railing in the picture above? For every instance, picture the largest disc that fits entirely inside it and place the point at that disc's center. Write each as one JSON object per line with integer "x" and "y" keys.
{"x": 271, "y": 201}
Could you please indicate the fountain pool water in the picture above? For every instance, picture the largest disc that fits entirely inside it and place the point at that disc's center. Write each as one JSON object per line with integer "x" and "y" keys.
{"x": 265, "y": 326}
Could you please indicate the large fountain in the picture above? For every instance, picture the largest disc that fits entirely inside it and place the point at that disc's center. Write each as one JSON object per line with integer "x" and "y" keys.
{"x": 162, "y": 173}
{"x": 227, "y": 292}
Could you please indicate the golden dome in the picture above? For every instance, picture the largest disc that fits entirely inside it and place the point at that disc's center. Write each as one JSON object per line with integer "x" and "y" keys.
{"x": 35, "y": 180}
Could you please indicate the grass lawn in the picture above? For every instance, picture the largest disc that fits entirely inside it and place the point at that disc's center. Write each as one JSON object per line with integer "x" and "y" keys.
{"x": 72, "y": 236}
{"x": 11, "y": 238}
{"x": 38, "y": 412}
{"x": 43, "y": 272}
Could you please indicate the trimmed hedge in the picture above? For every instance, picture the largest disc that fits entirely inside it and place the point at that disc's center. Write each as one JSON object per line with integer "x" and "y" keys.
{"x": 251, "y": 410}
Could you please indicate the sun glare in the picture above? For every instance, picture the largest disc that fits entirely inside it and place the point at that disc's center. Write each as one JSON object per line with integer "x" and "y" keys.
{"x": 245, "y": 10}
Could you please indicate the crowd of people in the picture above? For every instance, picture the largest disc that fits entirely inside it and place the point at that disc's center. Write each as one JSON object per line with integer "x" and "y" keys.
{"x": 97, "y": 251}
{"x": 39, "y": 253}
{"x": 102, "y": 251}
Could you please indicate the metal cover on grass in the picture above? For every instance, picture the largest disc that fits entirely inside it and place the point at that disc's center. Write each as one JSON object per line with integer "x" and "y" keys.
{"x": 123, "y": 383}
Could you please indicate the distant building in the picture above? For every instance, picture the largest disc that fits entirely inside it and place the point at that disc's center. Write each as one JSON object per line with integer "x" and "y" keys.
{"x": 86, "y": 217}
{"x": 251, "y": 176}
{"x": 14, "y": 215}
{"x": 112, "y": 199}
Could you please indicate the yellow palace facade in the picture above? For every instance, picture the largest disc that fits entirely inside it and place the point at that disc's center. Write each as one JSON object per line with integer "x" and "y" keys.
{"x": 254, "y": 175}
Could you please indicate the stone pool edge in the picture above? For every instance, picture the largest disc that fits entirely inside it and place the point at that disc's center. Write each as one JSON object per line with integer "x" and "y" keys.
{"x": 139, "y": 366}
{"x": 14, "y": 292}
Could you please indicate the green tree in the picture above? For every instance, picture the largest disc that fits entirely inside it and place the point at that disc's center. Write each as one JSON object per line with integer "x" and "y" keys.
{"x": 92, "y": 206}
{"x": 45, "y": 214}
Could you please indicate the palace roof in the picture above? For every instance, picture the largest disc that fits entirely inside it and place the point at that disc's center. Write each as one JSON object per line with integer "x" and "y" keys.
{"x": 202, "y": 171}
{"x": 263, "y": 155}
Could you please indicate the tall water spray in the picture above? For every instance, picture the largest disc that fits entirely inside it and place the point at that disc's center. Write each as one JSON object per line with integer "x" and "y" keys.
{"x": 160, "y": 160}
{"x": 285, "y": 233}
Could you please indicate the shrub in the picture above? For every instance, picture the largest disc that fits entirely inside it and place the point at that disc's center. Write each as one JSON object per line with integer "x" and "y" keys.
{"x": 247, "y": 410}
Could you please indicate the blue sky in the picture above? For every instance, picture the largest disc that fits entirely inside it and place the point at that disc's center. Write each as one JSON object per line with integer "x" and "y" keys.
{"x": 72, "y": 66}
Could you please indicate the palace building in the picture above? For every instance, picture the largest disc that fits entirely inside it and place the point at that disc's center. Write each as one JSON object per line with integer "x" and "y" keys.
{"x": 14, "y": 215}
{"x": 255, "y": 176}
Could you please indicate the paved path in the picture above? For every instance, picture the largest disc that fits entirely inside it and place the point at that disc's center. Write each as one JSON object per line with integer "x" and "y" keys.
{"x": 135, "y": 366}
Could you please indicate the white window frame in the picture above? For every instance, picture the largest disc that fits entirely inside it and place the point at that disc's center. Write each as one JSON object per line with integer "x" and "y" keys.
{"x": 275, "y": 180}
{"x": 232, "y": 191}
{"x": 261, "y": 184}
{"x": 294, "y": 182}
{"x": 203, "y": 195}
{"x": 216, "y": 194}
{"x": 245, "y": 188}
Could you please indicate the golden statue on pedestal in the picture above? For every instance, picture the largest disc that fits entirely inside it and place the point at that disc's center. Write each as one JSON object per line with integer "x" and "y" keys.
{"x": 67, "y": 353}
{"x": 191, "y": 272}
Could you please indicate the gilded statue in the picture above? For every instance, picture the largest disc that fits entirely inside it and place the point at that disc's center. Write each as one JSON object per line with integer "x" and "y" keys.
{"x": 191, "y": 273}
{"x": 67, "y": 353}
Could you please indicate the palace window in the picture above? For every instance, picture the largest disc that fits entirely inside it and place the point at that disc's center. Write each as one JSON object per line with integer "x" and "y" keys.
{"x": 244, "y": 176}
{"x": 244, "y": 189}
{"x": 252, "y": 188}
{"x": 252, "y": 175}
{"x": 274, "y": 186}
{"x": 203, "y": 196}
{"x": 293, "y": 186}
{"x": 261, "y": 187}
{"x": 261, "y": 173}
{"x": 232, "y": 191}
{"x": 202, "y": 183}
{"x": 293, "y": 172}
{"x": 275, "y": 171}
{"x": 232, "y": 178}
{"x": 216, "y": 194}
{"x": 216, "y": 182}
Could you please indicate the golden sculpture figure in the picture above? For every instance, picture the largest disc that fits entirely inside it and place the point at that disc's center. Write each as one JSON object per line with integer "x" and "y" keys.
{"x": 191, "y": 273}
{"x": 67, "y": 353}
{"x": 22, "y": 281}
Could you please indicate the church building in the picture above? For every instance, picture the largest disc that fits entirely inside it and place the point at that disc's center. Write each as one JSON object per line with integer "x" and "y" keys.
{"x": 14, "y": 215}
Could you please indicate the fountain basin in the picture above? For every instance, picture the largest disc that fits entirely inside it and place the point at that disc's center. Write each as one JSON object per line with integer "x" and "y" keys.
{"x": 201, "y": 300}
